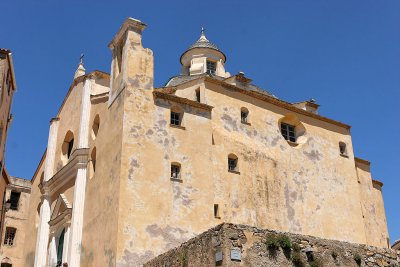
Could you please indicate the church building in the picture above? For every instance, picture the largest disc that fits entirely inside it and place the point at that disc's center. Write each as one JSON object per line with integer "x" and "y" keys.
{"x": 131, "y": 171}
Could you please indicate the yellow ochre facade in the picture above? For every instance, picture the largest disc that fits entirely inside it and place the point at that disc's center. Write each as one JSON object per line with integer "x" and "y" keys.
{"x": 131, "y": 171}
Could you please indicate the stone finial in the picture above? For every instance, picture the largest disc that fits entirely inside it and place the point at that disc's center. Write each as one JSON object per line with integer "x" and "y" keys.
{"x": 80, "y": 71}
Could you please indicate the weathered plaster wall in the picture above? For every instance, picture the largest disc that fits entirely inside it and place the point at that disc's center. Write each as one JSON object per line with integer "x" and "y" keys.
{"x": 293, "y": 184}
{"x": 99, "y": 240}
{"x": 162, "y": 213}
{"x": 69, "y": 121}
{"x": 32, "y": 222}
{"x": 252, "y": 244}
{"x": 302, "y": 189}
{"x": 372, "y": 207}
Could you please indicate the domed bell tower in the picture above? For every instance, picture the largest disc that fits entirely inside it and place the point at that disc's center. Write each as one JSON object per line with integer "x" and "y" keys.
{"x": 203, "y": 57}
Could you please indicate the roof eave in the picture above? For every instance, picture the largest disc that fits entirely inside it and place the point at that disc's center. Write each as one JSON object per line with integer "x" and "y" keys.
{"x": 190, "y": 49}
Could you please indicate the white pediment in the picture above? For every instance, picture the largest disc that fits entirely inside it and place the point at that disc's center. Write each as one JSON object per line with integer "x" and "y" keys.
{"x": 62, "y": 204}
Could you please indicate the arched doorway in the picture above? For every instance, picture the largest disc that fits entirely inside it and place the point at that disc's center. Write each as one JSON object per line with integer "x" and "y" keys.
{"x": 60, "y": 246}
{"x": 6, "y": 262}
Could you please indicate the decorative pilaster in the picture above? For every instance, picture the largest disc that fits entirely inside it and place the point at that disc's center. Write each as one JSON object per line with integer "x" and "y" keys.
{"x": 85, "y": 115}
{"x": 66, "y": 244}
{"x": 52, "y": 253}
{"x": 80, "y": 182}
{"x": 43, "y": 230}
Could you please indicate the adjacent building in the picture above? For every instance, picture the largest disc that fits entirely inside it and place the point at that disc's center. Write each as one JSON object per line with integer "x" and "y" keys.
{"x": 7, "y": 90}
{"x": 131, "y": 171}
{"x": 396, "y": 245}
{"x": 15, "y": 219}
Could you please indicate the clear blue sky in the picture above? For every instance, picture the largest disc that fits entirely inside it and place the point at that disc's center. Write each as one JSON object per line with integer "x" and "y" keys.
{"x": 345, "y": 54}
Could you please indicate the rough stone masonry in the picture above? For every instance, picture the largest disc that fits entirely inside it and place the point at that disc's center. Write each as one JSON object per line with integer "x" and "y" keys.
{"x": 242, "y": 245}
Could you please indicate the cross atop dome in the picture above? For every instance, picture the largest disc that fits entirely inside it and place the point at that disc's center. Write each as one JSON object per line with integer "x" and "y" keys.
{"x": 80, "y": 70}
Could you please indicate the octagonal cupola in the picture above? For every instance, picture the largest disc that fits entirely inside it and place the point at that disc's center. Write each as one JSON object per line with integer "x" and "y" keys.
{"x": 203, "y": 57}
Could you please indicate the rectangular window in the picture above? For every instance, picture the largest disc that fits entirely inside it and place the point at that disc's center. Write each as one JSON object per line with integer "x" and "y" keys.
{"x": 175, "y": 118}
{"x": 10, "y": 236}
{"x": 14, "y": 199}
{"x": 288, "y": 132}
{"x": 232, "y": 163}
{"x": 243, "y": 116}
{"x": 216, "y": 211}
{"x": 342, "y": 148}
{"x": 198, "y": 95}
{"x": 211, "y": 67}
{"x": 175, "y": 171}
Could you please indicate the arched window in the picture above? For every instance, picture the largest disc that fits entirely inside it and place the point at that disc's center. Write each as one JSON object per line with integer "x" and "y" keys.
{"x": 41, "y": 178}
{"x": 93, "y": 162}
{"x": 67, "y": 147}
{"x": 211, "y": 67}
{"x": 95, "y": 126}
{"x": 233, "y": 163}
{"x": 244, "y": 115}
{"x": 175, "y": 171}
{"x": 176, "y": 116}
{"x": 343, "y": 148}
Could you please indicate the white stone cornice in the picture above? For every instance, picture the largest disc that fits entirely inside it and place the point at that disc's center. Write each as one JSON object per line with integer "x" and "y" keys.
{"x": 79, "y": 159}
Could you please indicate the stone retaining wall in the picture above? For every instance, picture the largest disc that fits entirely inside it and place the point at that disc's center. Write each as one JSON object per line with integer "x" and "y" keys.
{"x": 241, "y": 245}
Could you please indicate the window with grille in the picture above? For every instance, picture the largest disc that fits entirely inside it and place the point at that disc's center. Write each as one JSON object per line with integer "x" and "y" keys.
{"x": 288, "y": 132}
{"x": 175, "y": 171}
{"x": 10, "y": 236}
{"x": 342, "y": 148}
{"x": 14, "y": 199}
{"x": 211, "y": 67}
{"x": 175, "y": 118}
{"x": 244, "y": 113}
{"x": 232, "y": 162}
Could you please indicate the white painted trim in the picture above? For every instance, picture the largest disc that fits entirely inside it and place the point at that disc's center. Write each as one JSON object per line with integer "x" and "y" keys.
{"x": 75, "y": 240}
{"x": 43, "y": 230}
